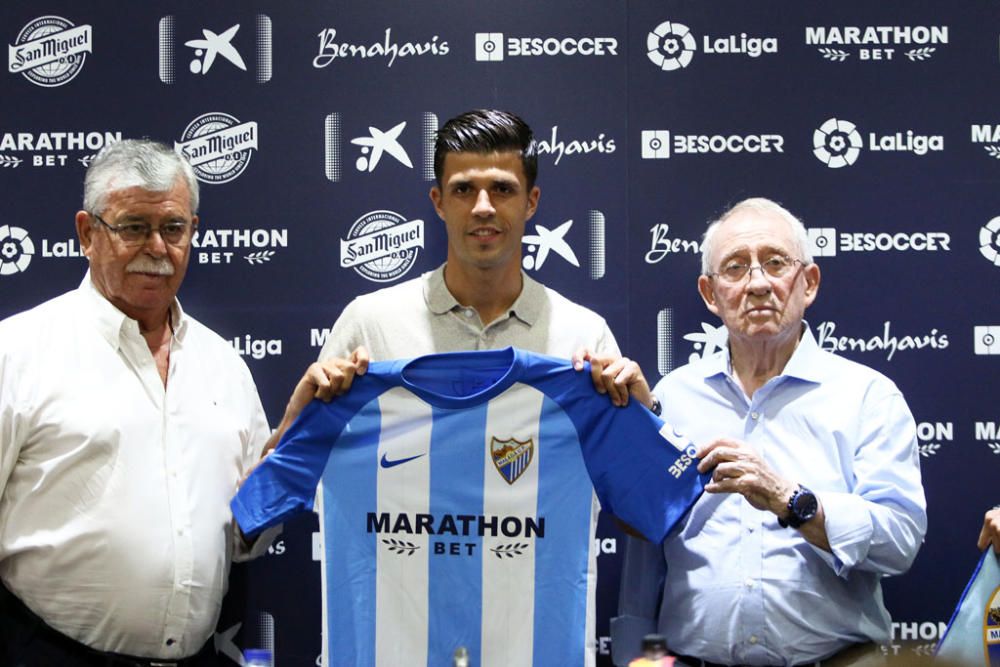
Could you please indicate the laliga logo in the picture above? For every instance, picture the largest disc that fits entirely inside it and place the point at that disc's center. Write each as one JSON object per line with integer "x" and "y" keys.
{"x": 218, "y": 146}
{"x": 50, "y": 51}
{"x": 989, "y": 241}
{"x": 670, "y": 46}
{"x": 837, "y": 143}
{"x": 16, "y": 250}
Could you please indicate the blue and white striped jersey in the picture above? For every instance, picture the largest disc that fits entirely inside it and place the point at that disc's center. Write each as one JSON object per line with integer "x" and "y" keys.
{"x": 459, "y": 505}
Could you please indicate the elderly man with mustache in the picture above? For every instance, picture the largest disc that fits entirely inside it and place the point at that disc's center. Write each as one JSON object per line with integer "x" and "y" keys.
{"x": 125, "y": 428}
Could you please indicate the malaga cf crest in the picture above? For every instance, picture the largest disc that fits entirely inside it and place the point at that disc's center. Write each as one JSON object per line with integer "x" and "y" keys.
{"x": 511, "y": 457}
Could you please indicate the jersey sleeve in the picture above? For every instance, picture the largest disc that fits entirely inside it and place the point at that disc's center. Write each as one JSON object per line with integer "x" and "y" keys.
{"x": 643, "y": 471}
{"x": 284, "y": 483}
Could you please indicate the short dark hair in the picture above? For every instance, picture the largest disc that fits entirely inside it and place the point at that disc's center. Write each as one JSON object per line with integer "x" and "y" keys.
{"x": 486, "y": 131}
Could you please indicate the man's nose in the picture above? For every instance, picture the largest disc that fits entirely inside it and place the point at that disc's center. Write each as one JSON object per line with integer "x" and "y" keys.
{"x": 484, "y": 206}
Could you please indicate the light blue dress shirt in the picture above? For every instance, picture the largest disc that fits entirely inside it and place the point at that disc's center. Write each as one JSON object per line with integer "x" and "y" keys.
{"x": 730, "y": 585}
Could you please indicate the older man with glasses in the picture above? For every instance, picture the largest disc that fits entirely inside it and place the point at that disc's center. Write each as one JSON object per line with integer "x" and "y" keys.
{"x": 815, "y": 492}
{"x": 125, "y": 428}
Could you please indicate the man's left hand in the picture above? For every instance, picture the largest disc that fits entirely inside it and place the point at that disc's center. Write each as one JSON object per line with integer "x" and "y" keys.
{"x": 618, "y": 377}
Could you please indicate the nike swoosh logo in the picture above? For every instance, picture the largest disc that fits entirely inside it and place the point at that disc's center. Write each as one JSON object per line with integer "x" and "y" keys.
{"x": 386, "y": 463}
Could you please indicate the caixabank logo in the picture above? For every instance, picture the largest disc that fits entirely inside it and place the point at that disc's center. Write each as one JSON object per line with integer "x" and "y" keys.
{"x": 53, "y": 149}
{"x": 827, "y": 241}
{"x": 548, "y": 243}
{"x": 16, "y": 250}
{"x": 355, "y": 141}
{"x": 672, "y": 45}
{"x": 218, "y": 146}
{"x": 838, "y": 143}
{"x": 382, "y": 246}
{"x": 662, "y": 144}
{"x": 495, "y": 46}
{"x": 50, "y": 51}
{"x": 215, "y": 48}
{"x": 880, "y": 43}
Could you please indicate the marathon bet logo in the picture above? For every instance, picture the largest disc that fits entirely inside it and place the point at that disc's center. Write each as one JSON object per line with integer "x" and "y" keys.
{"x": 382, "y": 245}
{"x": 671, "y": 45}
{"x": 546, "y": 242}
{"x": 218, "y": 146}
{"x": 659, "y": 145}
{"x": 492, "y": 47}
{"x": 876, "y": 42}
{"x": 989, "y": 137}
{"x": 989, "y": 432}
{"x": 50, "y": 51}
{"x": 221, "y": 246}
{"x": 554, "y": 145}
{"x": 213, "y": 47}
{"x": 379, "y": 147}
{"x": 987, "y": 339}
{"x": 825, "y": 241}
{"x": 989, "y": 241}
{"x": 16, "y": 250}
{"x": 930, "y": 435}
{"x": 330, "y": 49}
{"x": 837, "y": 143}
{"x": 52, "y": 149}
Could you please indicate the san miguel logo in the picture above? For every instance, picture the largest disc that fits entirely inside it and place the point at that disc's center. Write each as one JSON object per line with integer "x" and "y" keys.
{"x": 511, "y": 457}
{"x": 218, "y": 146}
{"x": 382, "y": 245}
{"x": 50, "y": 51}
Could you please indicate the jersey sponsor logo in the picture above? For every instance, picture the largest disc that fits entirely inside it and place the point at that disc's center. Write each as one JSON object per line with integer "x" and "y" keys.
{"x": 511, "y": 456}
{"x": 213, "y": 46}
{"x": 50, "y": 51}
{"x": 494, "y": 47}
{"x": 382, "y": 245}
{"x": 876, "y": 43}
{"x": 330, "y": 48}
{"x": 463, "y": 525}
{"x": 16, "y": 250}
{"x": 671, "y": 45}
{"x": 52, "y": 149}
{"x": 386, "y": 463}
{"x": 375, "y": 144}
{"x": 218, "y": 146}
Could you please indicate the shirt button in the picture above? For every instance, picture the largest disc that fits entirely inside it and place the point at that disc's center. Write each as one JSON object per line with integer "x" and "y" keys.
{"x": 748, "y": 583}
{"x": 468, "y": 312}
{"x": 170, "y": 641}
{"x": 754, "y": 415}
{"x": 753, "y": 639}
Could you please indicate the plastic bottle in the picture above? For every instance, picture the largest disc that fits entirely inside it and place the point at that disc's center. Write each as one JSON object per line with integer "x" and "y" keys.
{"x": 257, "y": 657}
{"x": 654, "y": 653}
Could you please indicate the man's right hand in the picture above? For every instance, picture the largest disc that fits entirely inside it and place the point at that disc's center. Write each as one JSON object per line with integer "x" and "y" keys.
{"x": 323, "y": 380}
{"x": 990, "y": 534}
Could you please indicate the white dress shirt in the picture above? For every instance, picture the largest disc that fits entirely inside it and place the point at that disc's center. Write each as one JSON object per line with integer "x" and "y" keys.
{"x": 732, "y": 586}
{"x": 115, "y": 525}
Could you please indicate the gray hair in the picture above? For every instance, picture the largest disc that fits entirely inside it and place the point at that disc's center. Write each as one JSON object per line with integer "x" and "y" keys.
{"x": 763, "y": 206}
{"x": 130, "y": 163}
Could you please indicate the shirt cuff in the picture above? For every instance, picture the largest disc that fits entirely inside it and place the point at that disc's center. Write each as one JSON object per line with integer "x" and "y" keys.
{"x": 626, "y": 637}
{"x": 848, "y": 530}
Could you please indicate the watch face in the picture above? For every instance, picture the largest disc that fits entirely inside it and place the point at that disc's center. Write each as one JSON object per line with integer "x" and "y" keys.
{"x": 805, "y": 504}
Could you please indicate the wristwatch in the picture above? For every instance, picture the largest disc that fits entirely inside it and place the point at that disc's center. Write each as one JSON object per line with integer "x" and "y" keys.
{"x": 802, "y": 507}
{"x": 656, "y": 408}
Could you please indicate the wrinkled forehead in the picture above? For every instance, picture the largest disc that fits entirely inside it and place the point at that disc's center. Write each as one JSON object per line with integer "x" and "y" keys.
{"x": 750, "y": 232}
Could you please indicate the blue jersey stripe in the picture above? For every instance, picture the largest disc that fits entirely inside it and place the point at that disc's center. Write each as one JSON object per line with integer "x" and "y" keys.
{"x": 457, "y": 452}
{"x": 349, "y": 492}
{"x": 561, "y": 559}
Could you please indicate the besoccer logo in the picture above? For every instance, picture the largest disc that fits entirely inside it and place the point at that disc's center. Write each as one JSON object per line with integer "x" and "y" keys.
{"x": 489, "y": 46}
{"x": 837, "y": 143}
{"x": 987, "y": 339}
{"x": 670, "y": 46}
{"x": 822, "y": 241}
{"x": 16, "y": 250}
{"x": 989, "y": 241}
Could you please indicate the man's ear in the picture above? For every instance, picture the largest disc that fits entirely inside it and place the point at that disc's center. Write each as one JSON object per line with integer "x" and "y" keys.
{"x": 85, "y": 231}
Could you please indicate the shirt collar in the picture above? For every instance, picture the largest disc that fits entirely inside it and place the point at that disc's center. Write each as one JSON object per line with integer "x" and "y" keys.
{"x": 112, "y": 323}
{"x": 527, "y": 307}
{"x": 807, "y": 362}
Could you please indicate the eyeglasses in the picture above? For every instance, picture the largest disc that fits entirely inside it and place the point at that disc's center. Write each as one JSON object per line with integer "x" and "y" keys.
{"x": 735, "y": 270}
{"x": 137, "y": 233}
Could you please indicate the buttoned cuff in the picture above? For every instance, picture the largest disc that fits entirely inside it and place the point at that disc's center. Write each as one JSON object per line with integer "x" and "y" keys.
{"x": 848, "y": 530}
